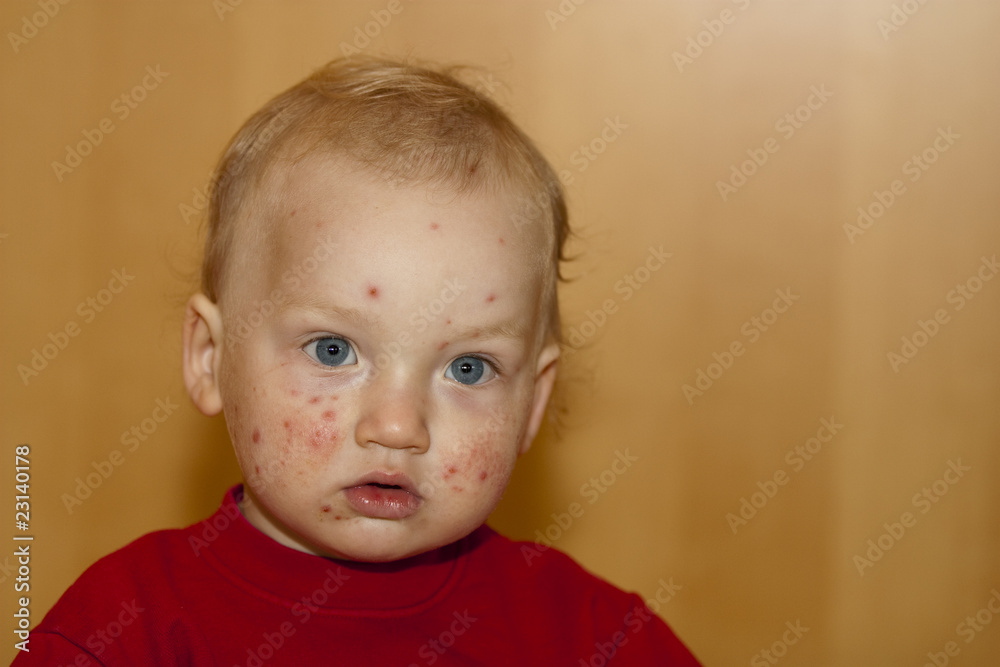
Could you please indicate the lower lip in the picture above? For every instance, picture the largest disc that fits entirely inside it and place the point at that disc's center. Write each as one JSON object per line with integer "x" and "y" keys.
{"x": 378, "y": 503}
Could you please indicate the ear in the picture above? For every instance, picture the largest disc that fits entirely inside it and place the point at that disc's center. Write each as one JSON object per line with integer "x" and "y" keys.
{"x": 545, "y": 378}
{"x": 203, "y": 353}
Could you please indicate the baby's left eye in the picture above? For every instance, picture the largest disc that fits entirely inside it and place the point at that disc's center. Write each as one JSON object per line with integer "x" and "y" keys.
{"x": 331, "y": 351}
{"x": 470, "y": 370}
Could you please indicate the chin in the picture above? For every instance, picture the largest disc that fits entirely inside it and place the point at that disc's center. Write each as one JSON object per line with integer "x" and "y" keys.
{"x": 370, "y": 547}
{"x": 376, "y": 553}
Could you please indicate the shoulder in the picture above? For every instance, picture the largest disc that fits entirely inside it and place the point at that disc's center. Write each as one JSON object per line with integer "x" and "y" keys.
{"x": 132, "y": 572}
{"x": 108, "y": 601}
{"x": 539, "y": 583}
{"x": 546, "y": 571}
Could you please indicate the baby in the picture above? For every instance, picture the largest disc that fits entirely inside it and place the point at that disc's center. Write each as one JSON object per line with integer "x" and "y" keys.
{"x": 378, "y": 323}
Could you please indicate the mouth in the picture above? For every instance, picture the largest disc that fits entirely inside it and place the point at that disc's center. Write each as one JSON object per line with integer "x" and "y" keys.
{"x": 384, "y": 496}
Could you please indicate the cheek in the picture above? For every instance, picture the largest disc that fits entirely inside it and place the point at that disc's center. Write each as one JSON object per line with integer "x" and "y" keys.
{"x": 311, "y": 433}
{"x": 486, "y": 464}
{"x": 296, "y": 435}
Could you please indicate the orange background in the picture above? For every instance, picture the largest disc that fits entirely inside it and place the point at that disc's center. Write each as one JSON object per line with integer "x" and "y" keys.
{"x": 688, "y": 124}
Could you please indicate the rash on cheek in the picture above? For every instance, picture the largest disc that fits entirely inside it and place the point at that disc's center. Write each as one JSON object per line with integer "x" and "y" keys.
{"x": 310, "y": 435}
{"x": 484, "y": 466}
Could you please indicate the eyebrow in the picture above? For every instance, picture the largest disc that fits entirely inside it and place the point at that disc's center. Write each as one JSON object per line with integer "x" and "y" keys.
{"x": 315, "y": 304}
{"x": 513, "y": 330}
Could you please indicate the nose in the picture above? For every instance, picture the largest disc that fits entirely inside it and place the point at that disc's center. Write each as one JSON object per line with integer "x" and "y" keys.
{"x": 393, "y": 415}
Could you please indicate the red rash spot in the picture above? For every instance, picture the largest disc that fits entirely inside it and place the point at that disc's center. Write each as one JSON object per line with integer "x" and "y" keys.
{"x": 294, "y": 392}
{"x": 314, "y": 399}
{"x": 443, "y": 345}
{"x": 491, "y": 298}
{"x": 328, "y": 414}
{"x": 501, "y": 240}
{"x": 448, "y": 321}
{"x": 482, "y": 475}
{"x": 452, "y": 469}
{"x": 256, "y": 469}
{"x": 326, "y": 509}
{"x": 457, "y": 489}
{"x": 256, "y": 435}
{"x": 292, "y": 214}
{"x": 288, "y": 424}
{"x": 337, "y": 518}
{"x": 373, "y": 292}
{"x": 434, "y": 225}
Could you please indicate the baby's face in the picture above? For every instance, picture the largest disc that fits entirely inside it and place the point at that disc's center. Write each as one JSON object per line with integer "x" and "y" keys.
{"x": 378, "y": 411}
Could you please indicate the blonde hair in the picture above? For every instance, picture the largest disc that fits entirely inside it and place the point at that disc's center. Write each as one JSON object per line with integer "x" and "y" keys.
{"x": 406, "y": 122}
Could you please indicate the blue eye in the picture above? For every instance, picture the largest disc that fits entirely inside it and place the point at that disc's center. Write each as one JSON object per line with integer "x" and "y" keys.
{"x": 469, "y": 370}
{"x": 331, "y": 351}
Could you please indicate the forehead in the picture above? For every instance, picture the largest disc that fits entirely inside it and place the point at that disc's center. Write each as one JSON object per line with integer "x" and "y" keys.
{"x": 399, "y": 234}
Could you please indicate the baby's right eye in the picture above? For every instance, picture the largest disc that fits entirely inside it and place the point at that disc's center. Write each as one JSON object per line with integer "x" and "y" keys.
{"x": 331, "y": 351}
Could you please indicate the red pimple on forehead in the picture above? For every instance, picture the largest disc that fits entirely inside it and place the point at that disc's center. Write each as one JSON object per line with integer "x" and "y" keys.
{"x": 501, "y": 240}
{"x": 326, "y": 508}
{"x": 435, "y": 225}
{"x": 329, "y": 415}
{"x": 443, "y": 345}
{"x": 491, "y": 298}
{"x": 288, "y": 424}
{"x": 314, "y": 399}
{"x": 482, "y": 475}
{"x": 373, "y": 291}
{"x": 256, "y": 435}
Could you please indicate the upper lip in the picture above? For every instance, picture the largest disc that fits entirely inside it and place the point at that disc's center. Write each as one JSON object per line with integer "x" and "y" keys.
{"x": 388, "y": 479}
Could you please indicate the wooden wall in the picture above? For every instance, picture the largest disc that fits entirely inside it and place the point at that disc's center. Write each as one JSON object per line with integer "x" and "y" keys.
{"x": 760, "y": 369}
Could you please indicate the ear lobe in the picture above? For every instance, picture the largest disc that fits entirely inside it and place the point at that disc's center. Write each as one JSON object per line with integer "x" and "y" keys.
{"x": 545, "y": 378}
{"x": 203, "y": 353}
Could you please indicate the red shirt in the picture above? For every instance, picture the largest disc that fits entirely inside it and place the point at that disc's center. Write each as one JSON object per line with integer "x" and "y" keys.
{"x": 220, "y": 592}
